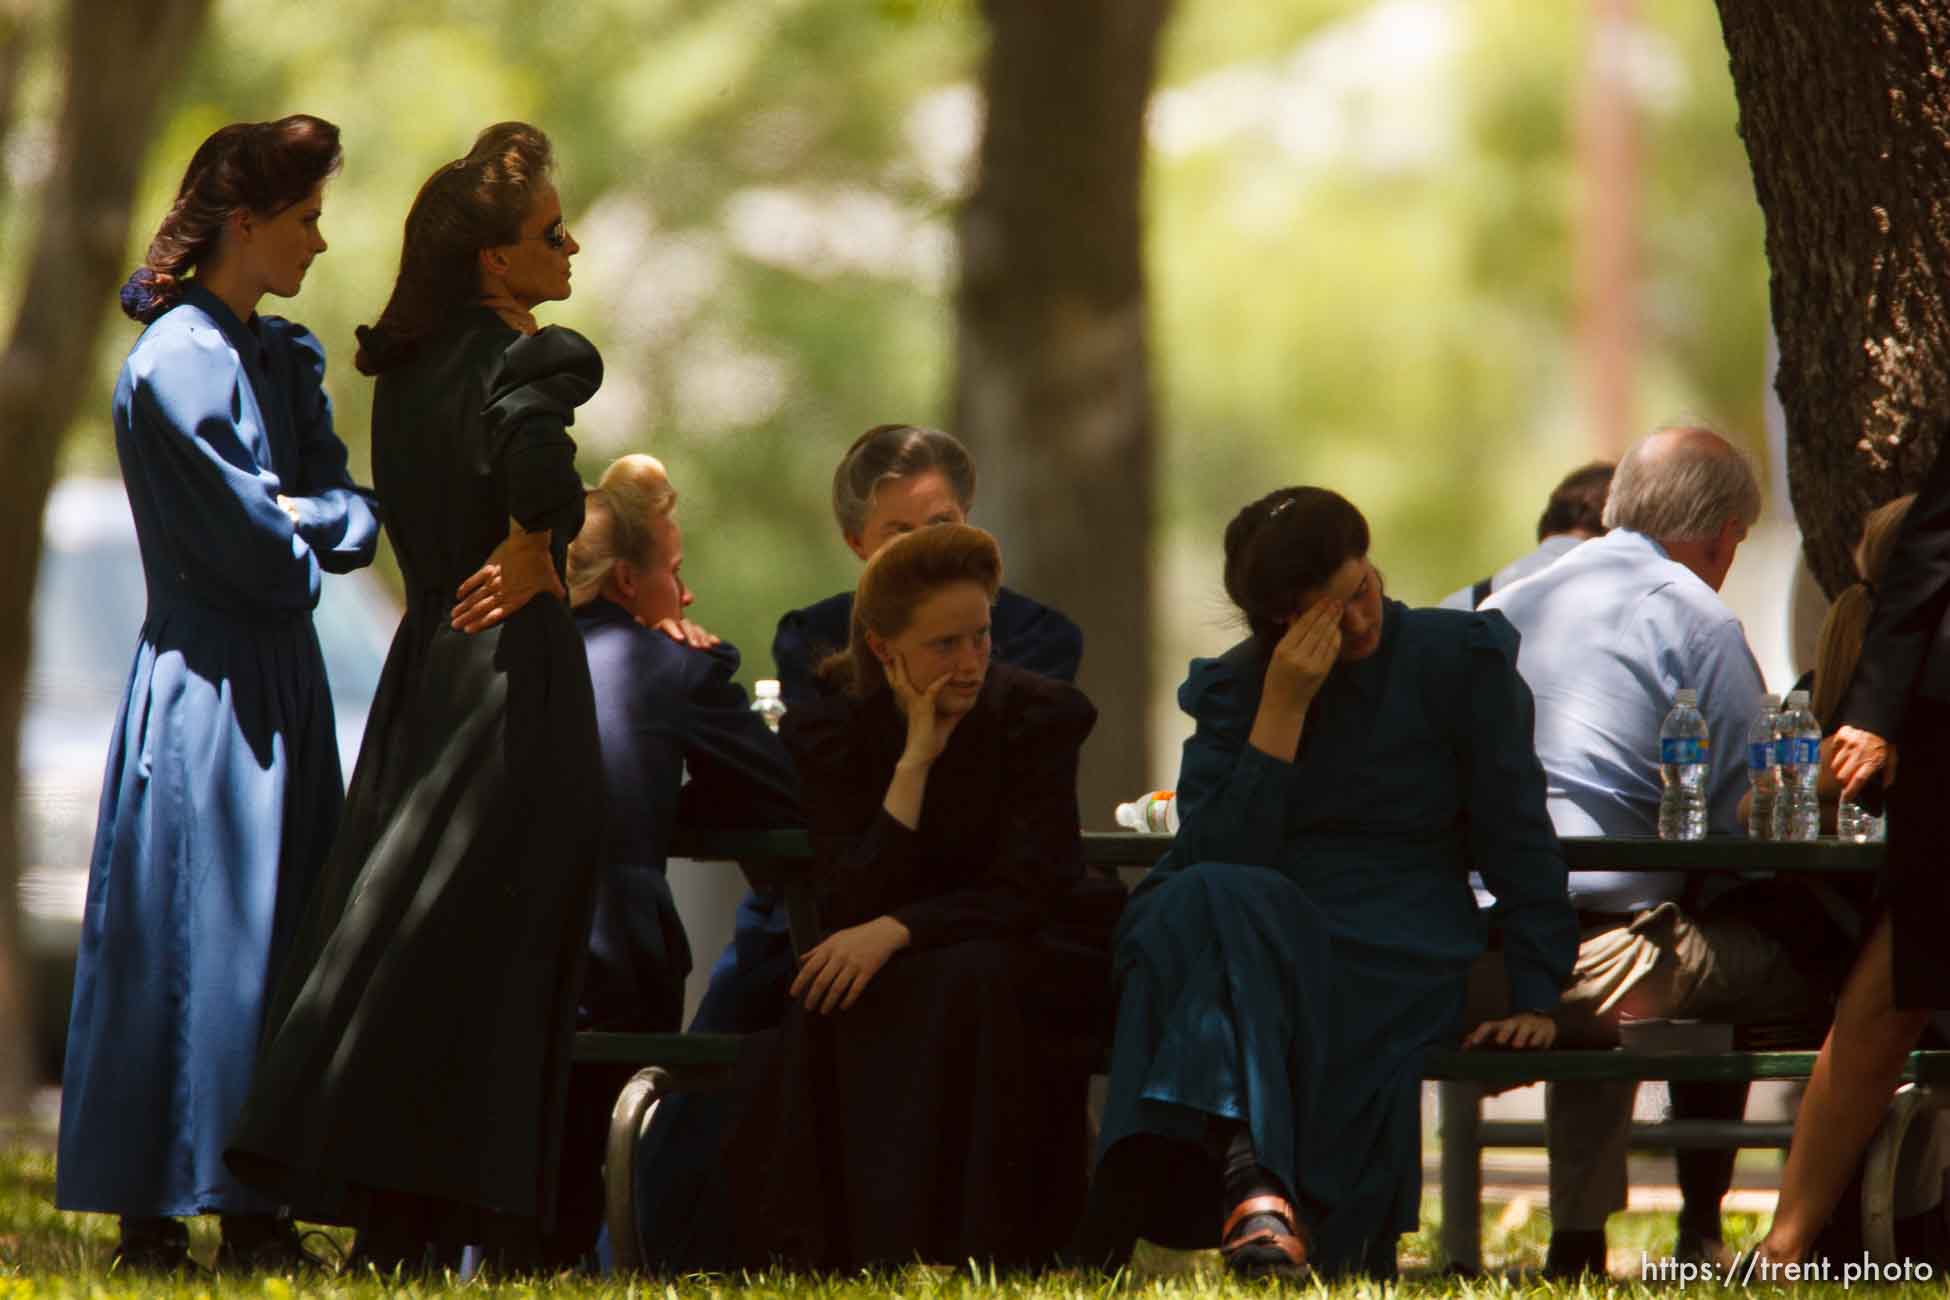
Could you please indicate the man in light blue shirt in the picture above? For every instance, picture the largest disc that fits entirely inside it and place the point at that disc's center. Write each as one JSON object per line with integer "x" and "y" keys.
{"x": 1610, "y": 633}
{"x": 1573, "y": 514}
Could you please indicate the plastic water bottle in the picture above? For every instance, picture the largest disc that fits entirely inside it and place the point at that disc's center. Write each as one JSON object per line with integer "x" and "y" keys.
{"x": 766, "y": 702}
{"x": 1797, "y": 753}
{"x": 1762, "y": 774}
{"x": 1683, "y": 744}
{"x": 1856, "y": 824}
{"x": 1156, "y": 812}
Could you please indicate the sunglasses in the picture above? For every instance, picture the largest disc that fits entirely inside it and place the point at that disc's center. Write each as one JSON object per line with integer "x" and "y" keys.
{"x": 556, "y": 236}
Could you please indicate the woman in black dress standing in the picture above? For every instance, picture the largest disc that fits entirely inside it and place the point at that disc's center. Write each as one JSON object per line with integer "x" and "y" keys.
{"x": 911, "y": 1103}
{"x": 417, "y": 1049}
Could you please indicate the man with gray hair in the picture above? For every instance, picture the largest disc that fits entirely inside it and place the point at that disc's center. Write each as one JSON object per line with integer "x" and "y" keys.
{"x": 1610, "y": 633}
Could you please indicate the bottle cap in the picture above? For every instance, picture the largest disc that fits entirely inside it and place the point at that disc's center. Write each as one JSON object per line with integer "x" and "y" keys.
{"x": 1686, "y": 697}
{"x": 1770, "y": 703}
{"x": 1797, "y": 699}
{"x": 766, "y": 688}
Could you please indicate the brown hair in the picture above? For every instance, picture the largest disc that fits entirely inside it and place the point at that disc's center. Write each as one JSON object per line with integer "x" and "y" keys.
{"x": 1842, "y": 632}
{"x": 1577, "y": 504}
{"x": 471, "y": 203}
{"x": 264, "y": 167}
{"x": 887, "y": 453}
{"x": 1288, "y": 542}
{"x": 900, "y": 576}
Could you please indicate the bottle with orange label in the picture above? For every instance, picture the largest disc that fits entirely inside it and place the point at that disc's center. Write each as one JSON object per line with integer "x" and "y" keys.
{"x": 1156, "y": 812}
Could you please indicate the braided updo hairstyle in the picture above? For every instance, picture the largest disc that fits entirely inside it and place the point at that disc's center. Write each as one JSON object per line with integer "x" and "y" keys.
{"x": 263, "y": 167}
{"x": 1286, "y": 543}
{"x": 471, "y": 203}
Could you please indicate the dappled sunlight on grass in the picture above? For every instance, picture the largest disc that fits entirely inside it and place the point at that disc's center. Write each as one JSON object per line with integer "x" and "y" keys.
{"x": 49, "y": 1255}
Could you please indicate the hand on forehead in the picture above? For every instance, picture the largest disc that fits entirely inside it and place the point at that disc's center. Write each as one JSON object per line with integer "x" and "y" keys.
{"x": 1346, "y": 583}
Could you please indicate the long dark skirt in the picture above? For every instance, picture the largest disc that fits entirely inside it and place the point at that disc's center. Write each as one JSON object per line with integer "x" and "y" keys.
{"x": 932, "y": 1121}
{"x": 417, "y": 1051}
{"x": 1915, "y": 887}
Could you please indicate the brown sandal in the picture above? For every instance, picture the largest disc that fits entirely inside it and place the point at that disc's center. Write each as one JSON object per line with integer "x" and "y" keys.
{"x": 1264, "y": 1252}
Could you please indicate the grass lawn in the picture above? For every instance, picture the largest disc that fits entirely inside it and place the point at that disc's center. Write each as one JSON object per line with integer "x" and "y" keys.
{"x": 45, "y": 1255}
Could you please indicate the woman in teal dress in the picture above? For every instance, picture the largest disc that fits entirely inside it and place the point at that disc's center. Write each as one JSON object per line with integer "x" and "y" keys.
{"x": 222, "y": 787}
{"x": 1285, "y": 967}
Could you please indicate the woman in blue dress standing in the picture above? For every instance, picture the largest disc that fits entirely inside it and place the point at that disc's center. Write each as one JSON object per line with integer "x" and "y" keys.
{"x": 1283, "y": 969}
{"x": 223, "y": 787}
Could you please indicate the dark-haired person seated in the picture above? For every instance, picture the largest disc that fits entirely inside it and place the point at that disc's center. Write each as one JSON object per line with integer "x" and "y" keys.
{"x": 666, "y": 705}
{"x": 1283, "y": 969}
{"x": 911, "y": 1104}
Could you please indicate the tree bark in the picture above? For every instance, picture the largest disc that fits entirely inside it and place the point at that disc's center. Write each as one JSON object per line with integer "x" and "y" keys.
{"x": 121, "y": 57}
{"x": 1845, "y": 111}
{"x": 1053, "y": 375}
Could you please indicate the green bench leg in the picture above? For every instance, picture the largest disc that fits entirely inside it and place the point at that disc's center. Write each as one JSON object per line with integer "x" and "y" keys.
{"x": 1461, "y": 1110}
{"x": 627, "y": 1119}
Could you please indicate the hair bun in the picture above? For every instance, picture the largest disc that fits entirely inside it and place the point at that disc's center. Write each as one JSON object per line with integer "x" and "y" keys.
{"x": 146, "y": 295}
{"x": 380, "y": 349}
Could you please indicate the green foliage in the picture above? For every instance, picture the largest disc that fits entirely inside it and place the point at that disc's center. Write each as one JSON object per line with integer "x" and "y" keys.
{"x": 1363, "y": 216}
{"x": 1386, "y": 304}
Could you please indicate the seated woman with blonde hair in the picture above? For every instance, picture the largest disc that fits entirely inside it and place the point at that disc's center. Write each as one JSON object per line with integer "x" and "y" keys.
{"x": 667, "y": 705}
{"x": 910, "y": 1104}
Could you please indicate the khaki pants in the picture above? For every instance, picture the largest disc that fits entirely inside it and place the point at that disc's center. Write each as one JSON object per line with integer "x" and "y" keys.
{"x": 1660, "y": 963}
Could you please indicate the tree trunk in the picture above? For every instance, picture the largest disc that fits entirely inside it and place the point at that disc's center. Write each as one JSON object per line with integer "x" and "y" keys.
{"x": 121, "y": 56}
{"x": 1845, "y": 110}
{"x": 1053, "y": 378}
{"x": 16, "y": 37}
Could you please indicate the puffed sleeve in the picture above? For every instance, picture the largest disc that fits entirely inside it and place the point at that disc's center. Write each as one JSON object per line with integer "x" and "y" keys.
{"x": 1510, "y": 838}
{"x": 1231, "y": 796}
{"x": 182, "y": 395}
{"x": 543, "y": 378}
{"x": 1040, "y": 850}
{"x": 336, "y": 517}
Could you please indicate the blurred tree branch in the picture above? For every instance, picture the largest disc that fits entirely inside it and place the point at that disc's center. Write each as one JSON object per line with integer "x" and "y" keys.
{"x": 121, "y": 57}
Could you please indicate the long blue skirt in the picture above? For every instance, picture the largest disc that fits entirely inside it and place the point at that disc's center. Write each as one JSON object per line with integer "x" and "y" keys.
{"x": 1241, "y": 997}
{"x": 220, "y": 799}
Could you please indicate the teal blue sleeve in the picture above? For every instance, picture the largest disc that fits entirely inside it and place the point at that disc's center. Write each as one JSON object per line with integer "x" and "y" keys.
{"x": 1231, "y": 796}
{"x": 1510, "y": 840}
{"x": 227, "y": 535}
{"x": 336, "y": 518}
